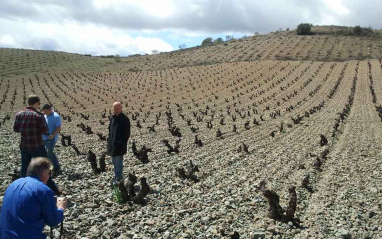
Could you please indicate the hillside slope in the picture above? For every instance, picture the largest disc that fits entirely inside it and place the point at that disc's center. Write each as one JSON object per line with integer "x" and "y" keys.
{"x": 327, "y": 45}
{"x": 275, "y": 47}
{"x": 22, "y": 61}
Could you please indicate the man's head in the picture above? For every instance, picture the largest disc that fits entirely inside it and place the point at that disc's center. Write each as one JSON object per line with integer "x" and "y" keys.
{"x": 34, "y": 101}
{"x": 47, "y": 109}
{"x": 117, "y": 106}
{"x": 40, "y": 167}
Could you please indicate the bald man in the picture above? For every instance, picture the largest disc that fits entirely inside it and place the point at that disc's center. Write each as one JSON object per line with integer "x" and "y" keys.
{"x": 119, "y": 133}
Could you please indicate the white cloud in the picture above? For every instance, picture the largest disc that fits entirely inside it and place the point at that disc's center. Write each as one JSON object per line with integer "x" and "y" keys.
{"x": 337, "y": 6}
{"x": 72, "y": 37}
{"x": 114, "y": 26}
{"x": 147, "y": 45}
{"x": 8, "y": 40}
{"x": 156, "y": 8}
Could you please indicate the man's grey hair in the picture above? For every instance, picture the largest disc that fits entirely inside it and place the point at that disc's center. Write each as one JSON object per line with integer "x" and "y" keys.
{"x": 38, "y": 165}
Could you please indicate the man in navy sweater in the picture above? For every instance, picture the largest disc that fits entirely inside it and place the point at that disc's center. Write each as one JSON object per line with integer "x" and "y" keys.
{"x": 29, "y": 204}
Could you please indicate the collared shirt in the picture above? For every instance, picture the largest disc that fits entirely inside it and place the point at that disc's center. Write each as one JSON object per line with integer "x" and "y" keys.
{"x": 28, "y": 205}
{"x": 54, "y": 121}
{"x": 31, "y": 124}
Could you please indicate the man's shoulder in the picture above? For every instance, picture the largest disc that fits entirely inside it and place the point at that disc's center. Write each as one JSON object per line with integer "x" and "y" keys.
{"x": 124, "y": 116}
{"x": 40, "y": 187}
{"x": 24, "y": 111}
{"x": 28, "y": 112}
{"x": 125, "y": 119}
{"x": 31, "y": 180}
{"x": 56, "y": 115}
{"x": 34, "y": 185}
{"x": 28, "y": 180}
{"x": 18, "y": 182}
{"x": 20, "y": 112}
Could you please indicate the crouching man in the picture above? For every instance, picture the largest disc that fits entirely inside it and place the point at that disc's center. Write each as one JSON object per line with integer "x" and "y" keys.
{"x": 29, "y": 204}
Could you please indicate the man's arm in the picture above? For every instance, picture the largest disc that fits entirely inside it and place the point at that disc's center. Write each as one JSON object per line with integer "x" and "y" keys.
{"x": 52, "y": 215}
{"x": 128, "y": 127}
{"x": 56, "y": 131}
{"x": 43, "y": 125}
{"x": 16, "y": 125}
{"x": 109, "y": 124}
{"x": 125, "y": 134}
{"x": 57, "y": 123}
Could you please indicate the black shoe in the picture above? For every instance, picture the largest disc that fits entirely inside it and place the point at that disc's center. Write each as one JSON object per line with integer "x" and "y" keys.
{"x": 120, "y": 181}
{"x": 116, "y": 181}
{"x": 57, "y": 172}
{"x": 113, "y": 183}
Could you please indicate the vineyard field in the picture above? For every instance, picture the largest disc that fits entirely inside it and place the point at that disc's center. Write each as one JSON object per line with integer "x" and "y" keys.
{"x": 247, "y": 122}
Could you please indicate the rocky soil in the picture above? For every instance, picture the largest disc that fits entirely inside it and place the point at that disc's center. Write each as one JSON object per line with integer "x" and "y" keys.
{"x": 338, "y": 182}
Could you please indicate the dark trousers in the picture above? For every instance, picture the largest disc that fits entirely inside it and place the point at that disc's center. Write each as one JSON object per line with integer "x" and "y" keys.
{"x": 26, "y": 157}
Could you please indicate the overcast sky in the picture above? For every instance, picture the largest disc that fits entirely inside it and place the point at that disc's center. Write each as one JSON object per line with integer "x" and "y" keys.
{"x": 124, "y": 27}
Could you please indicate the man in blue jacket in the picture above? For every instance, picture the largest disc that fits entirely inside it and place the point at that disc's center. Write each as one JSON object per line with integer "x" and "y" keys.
{"x": 119, "y": 133}
{"x": 29, "y": 204}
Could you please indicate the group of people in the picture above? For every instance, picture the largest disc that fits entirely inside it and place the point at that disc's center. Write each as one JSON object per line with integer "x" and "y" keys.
{"x": 31, "y": 201}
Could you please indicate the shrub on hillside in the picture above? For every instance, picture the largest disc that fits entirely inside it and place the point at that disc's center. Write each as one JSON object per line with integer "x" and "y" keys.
{"x": 357, "y": 30}
{"x": 362, "y": 31}
{"x": 117, "y": 58}
{"x": 304, "y": 29}
{"x": 218, "y": 40}
{"x": 229, "y": 38}
{"x": 207, "y": 41}
{"x": 344, "y": 31}
{"x": 182, "y": 46}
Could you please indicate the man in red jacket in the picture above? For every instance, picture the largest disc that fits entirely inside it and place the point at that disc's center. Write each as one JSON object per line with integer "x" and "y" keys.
{"x": 31, "y": 125}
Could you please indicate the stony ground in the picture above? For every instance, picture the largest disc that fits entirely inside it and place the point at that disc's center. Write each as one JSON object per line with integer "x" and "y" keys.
{"x": 292, "y": 101}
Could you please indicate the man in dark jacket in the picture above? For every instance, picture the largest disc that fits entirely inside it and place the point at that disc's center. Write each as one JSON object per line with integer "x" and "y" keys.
{"x": 119, "y": 133}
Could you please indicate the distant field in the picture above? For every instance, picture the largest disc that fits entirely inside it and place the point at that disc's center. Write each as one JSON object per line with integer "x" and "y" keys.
{"x": 275, "y": 46}
{"x": 20, "y": 62}
{"x": 282, "y": 46}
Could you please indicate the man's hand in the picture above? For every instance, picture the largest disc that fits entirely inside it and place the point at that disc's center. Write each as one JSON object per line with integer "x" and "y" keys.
{"x": 50, "y": 137}
{"x": 61, "y": 202}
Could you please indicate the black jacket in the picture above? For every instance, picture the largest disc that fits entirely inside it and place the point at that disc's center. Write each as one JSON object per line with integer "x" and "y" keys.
{"x": 119, "y": 133}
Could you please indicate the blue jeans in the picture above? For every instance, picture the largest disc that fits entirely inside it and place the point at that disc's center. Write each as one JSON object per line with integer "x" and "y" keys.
{"x": 26, "y": 157}
{"x": 49, "y": 147}
{"x": 118, "y": 166}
